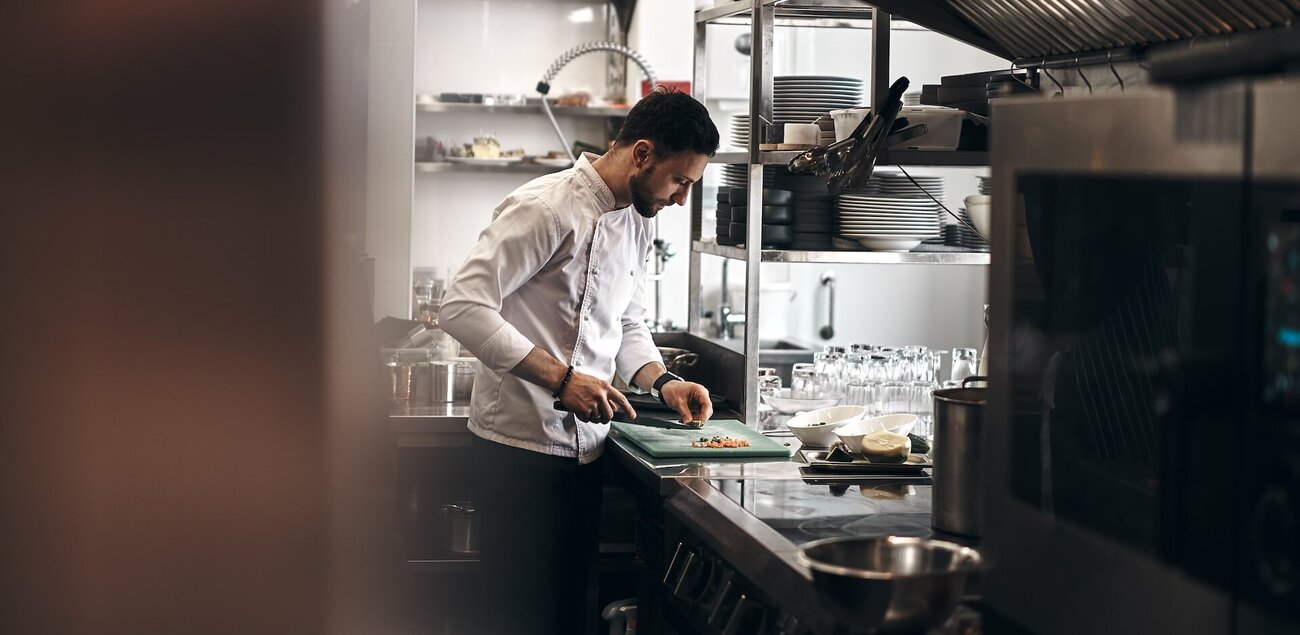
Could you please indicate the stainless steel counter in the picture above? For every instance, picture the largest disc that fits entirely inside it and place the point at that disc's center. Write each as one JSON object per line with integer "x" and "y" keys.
{"x": 440, "y": 426}
{"x": 754, "y": 513}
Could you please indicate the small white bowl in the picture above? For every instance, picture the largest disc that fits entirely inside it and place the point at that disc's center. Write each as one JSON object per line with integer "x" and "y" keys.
{"x": 851, "y": 433}
{"x": 817, "y": 428}
{"x": 898, "y": 424}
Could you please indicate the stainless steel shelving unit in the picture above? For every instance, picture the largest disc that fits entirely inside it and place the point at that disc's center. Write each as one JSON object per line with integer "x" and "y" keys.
{"x": 843, "y": 257}
{"x": 532, "y": 107}
{"x": 512, "y": 168}
{"x": 762, "y": 16}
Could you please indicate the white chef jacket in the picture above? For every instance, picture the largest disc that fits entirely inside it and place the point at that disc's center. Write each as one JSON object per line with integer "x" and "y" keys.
{"x": 558, "y": 268}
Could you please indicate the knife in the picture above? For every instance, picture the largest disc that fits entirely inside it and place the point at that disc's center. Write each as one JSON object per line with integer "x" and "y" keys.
{"x": 650, "y": 422}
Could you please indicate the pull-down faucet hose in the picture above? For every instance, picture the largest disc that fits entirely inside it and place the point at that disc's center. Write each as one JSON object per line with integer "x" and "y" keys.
{"x": 544, "y": 86}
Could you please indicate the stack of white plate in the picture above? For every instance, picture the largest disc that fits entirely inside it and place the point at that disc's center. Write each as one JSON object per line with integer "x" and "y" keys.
{"x": 896, "y": 185}
{"x": 804, "y": 98}
{"x": 740, "y": 131}
{"x": 986, "y": 185}
{"x": 887, "y": 223}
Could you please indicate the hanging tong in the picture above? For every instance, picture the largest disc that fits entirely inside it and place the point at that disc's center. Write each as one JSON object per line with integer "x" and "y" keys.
{"x": 850, "y": 163}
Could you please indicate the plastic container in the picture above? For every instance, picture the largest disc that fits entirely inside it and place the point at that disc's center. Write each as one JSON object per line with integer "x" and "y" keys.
{"x": 847, "y": 120}
{"x": 944, "y": 126}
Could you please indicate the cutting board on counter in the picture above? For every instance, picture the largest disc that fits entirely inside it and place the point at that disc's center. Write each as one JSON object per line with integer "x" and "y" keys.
{"x": 661, "y": 443}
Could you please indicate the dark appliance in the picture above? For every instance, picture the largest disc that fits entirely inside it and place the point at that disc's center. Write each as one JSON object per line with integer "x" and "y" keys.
{"x": 1143, "y": 431}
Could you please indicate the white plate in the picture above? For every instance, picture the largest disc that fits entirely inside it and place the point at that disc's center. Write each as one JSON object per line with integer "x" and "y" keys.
{"x": 884, "y": 201}
{"x": 885, "y": 210}
{"x": 817, "y": 79}
{"x": 911, "y": 230}
{"x": 888, "y": 244}
{"x": 474, "y": 161}
{"x": 871, "y": 230}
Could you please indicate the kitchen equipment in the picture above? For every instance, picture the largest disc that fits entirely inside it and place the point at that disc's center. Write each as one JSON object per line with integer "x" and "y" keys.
{"x": 851, "y": 433}
{"x": 958, "y": 472}
{"x": 816, "y": 428}
{"x": 462, "y": 527}
{"x": 643, "y": 420}
{"x": 1167, "y": 215}
{"x": 847, "y": 120}
{"x": 678, "y": 361}
{"x": 662, "y": 443}
{"x": 463, "y": 372}
{"x": 889, "y": 585}
{"x": 801, "y": 134}
{"x": 844, "y": 462}
{"x": 442, "y": 382}
{"x": 942, "y": 125}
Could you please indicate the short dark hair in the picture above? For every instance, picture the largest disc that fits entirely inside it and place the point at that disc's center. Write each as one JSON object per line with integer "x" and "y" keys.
{"x": 673, "y": 121}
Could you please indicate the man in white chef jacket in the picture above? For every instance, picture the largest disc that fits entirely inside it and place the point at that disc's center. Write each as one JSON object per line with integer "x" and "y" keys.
{"x": 549, "y": 300}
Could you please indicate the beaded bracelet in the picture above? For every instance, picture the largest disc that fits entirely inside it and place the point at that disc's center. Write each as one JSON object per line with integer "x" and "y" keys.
{"x": 565, "y": 382}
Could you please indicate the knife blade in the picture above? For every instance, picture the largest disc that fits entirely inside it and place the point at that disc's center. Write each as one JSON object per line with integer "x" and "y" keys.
{"x": 650, "y": 422}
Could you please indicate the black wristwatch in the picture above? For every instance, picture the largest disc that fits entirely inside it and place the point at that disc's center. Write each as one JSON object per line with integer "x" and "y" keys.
{"x": 657, "y": 388}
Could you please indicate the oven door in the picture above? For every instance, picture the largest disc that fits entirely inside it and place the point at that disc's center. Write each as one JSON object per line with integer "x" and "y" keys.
{"x": 1115, "y": 350}
{"x": 1269, "y": 571}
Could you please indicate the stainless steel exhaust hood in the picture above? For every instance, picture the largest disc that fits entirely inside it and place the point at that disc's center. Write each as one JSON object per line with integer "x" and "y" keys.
{"x": 1028, "y": 30}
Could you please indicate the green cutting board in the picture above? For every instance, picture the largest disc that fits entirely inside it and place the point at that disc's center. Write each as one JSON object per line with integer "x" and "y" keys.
{"x": 662, "y": 443}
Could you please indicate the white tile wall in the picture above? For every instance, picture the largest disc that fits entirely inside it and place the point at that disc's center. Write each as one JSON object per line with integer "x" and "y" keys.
{"x": 493, "y": 46}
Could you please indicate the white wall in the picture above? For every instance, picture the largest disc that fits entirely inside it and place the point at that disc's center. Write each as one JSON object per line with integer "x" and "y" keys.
{"x": 493, "y": 46}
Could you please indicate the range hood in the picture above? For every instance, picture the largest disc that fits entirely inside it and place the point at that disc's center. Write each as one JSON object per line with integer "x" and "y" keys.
{"x": 1030, "y": 30}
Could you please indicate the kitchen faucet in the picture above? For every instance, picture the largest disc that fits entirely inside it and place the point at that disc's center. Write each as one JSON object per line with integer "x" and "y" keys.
{"x": 727, "y": 319}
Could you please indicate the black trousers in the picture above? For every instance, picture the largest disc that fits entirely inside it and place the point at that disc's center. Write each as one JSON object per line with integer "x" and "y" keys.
{"x": 540, "y": 515}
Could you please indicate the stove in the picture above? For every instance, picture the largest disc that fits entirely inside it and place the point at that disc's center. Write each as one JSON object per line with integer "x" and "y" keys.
{"x": 803, "y": 511}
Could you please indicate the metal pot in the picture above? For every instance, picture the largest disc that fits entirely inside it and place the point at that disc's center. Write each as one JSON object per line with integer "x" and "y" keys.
{"x": 678, "y": 360}
{"x": 957, "y": 474}
{"x": 462, "y": 530}
{"x": 889, "y": 585}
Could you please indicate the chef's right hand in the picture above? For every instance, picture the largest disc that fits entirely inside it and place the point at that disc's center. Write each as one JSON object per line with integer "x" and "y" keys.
{"x": 593, "y": 399}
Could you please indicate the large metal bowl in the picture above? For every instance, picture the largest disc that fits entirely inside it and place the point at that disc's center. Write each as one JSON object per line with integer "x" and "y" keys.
{"x": 889, "y": 585}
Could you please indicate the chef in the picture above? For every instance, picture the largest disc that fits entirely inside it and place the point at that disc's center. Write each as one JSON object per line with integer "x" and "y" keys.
{"x": 549, "y": 300}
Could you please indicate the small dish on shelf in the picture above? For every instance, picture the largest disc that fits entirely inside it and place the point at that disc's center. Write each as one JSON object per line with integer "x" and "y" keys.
{"x": 476, "y": 161}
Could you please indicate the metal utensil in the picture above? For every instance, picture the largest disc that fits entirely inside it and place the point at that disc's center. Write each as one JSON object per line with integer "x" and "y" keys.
{"x": 889, "y": 585}
{"x": 650, "y": 422}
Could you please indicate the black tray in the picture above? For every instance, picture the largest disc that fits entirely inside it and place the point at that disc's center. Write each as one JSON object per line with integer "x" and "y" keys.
{"x": 815, "y": 459}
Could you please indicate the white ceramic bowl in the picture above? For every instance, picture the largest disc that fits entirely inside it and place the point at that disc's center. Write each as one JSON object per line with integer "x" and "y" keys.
{"x": 850, "y": 434}
{"x": 982, "y": 216}
{"x": 898, "y": 424}
{"x": 783, "y": 403}
{"x": 817, "y": 428}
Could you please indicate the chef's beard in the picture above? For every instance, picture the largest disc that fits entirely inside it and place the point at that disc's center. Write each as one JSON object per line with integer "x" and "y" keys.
{"x": 641, "y": 194}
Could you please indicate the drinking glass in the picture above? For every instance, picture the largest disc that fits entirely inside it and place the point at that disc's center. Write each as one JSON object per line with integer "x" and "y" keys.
{"x": 964, "y": 363}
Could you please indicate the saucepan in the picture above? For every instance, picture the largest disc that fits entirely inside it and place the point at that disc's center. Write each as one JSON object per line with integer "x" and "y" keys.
{"x": 678, "y": 360}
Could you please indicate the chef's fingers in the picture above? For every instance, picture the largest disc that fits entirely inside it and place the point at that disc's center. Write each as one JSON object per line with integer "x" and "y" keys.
{"x": 620, "y": 400}
{"x": 701, "y": 399}
{"x": 606, "y": 410}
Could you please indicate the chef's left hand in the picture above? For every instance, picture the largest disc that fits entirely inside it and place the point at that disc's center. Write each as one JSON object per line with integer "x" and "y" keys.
{"x": 689, "y": 399}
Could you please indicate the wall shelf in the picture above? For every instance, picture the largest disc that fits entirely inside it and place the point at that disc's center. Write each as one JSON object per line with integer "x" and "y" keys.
{"x": 433, "y": 167}
{"x": 443, "y": 565}
{"x": 845, "y": 257}
{"x": 942, "y": 158}
{"x": 426, "y": 104}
